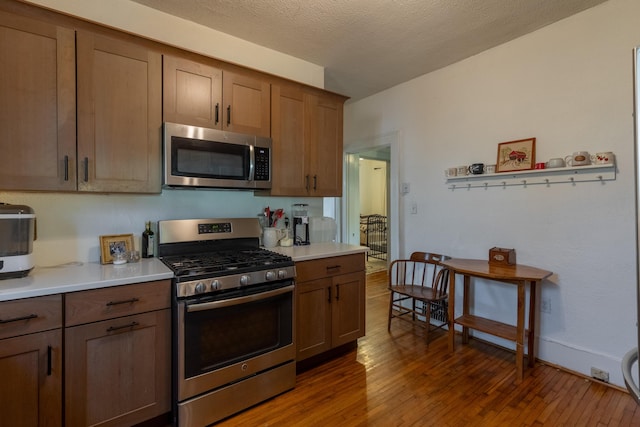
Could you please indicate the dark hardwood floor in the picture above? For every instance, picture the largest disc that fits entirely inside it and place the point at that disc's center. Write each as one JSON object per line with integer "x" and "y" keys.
{"x": 396, "y": 380}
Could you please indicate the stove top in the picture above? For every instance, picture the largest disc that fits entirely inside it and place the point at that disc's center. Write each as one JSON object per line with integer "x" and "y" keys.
{"x": 212, "y": 255}
{"x": 224, "y": 262}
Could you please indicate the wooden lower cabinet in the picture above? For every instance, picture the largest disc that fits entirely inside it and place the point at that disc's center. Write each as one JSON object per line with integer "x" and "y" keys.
{"x": 31, "y": 363}
{"x": 330, "y": 303}
{"x": 117, "y": 371}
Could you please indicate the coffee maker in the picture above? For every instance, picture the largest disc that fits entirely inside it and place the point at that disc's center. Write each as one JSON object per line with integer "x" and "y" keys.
{"x": 300, "y": 224}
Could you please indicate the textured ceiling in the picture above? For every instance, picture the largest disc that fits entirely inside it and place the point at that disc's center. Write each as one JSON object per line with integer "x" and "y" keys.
{"x": 367, "y": 46}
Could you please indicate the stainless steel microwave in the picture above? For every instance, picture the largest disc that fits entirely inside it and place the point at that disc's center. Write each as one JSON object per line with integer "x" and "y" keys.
{"x": 211, "y": 158}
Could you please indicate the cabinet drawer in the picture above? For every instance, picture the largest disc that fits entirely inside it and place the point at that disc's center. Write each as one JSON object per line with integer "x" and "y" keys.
{"x": 29, "y": 315}
{"x": 102, "y": 304}
{"x": 328, "y": 267}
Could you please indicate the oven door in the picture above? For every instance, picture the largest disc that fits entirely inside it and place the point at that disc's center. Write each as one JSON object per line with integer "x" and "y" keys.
{"x": 227, "y": 339}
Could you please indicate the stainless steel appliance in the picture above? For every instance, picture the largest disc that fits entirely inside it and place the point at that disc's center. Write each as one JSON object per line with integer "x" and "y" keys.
{"x": 211, "y": 158}
{"x": 300, "y": 224}
{"x": 233, "y": 317}
{"x": 17, "y": 233}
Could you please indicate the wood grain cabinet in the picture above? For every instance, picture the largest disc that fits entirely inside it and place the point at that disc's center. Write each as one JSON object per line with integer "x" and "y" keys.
{"x": 37, "y": 105}
{"x": 307, "y": 138}
{"x": 31, "y": 362}
{"x": 203, "y": 95}
{"x": 117, "y": 355}
{"x": 118, "y": 115}
{"x": 330, "y": 303}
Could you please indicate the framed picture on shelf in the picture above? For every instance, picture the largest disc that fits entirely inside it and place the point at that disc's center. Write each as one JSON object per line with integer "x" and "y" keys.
{"x": 516, "y": 155}
{"x": 116, "y": 243}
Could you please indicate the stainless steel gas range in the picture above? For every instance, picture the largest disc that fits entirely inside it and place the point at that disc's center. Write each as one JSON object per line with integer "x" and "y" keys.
{"x": 233, "y": 317}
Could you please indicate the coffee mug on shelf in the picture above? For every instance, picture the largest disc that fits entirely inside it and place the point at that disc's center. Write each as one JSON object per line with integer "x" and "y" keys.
{"x": 462, "y": 170}
{"x": 604, "y": 158}
{"x": 556, "y": 162}
{"x": 476, "y": 168}
{"x": 450, "y": 172}
{"x": 490, "y": 169}
{"x": 578, "y": 158}
{"x": 540, "y": 165}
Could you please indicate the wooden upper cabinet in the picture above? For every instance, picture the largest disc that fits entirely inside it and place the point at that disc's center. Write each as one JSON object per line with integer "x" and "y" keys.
{"x": 246, "y": 104}
{"x": 202, "y": 95}
{"x": 325, "y": 159}
{"x": 307, "y": 142}
{"x": 37, "y": 105}
{"x": 289, "y": 164}
{"x": 119, "y": 88}
{"x": 192, "y": 93}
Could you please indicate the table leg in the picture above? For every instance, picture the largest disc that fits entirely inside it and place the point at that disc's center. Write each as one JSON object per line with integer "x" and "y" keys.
{"x": 520, "y": 332}
{"x": 531, "y": 339}
{"x": 465, "y": 307}
{"x": 451, "y": 309}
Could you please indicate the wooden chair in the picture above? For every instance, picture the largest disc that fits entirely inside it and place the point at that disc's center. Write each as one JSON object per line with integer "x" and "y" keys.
{"x": 418, "y": 288}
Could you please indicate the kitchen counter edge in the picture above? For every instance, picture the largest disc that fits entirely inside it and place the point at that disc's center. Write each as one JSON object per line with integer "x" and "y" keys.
{"x": 319, "y": 250}
{"x": 81, "y": 276}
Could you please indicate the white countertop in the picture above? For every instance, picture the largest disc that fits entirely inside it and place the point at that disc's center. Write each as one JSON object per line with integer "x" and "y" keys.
{"x": 81, "y": 276}
{"x": 319, "y": 250}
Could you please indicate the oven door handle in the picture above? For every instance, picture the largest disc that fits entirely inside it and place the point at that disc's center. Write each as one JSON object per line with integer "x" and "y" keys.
{"x": 237, "y": 301}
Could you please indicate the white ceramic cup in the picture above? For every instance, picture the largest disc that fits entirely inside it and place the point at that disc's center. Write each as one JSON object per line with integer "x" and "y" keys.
{"x": 462, "y": 170}
{"x": 490, "y": 169}
{"x": 271, "y": 236}
{"x": 449, "y": 172}
{"x": 603, "y": 158}
{"x": 578, "y": 158}
{"x": 556, "y": 162}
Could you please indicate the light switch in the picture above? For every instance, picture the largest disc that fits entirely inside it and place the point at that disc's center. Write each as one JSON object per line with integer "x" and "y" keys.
{"x": 414, "y": 207}
{"x": 404, "y": 188}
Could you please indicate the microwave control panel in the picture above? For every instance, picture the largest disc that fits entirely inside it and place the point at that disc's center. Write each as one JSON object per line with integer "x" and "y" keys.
{"x": 262, "y": 164}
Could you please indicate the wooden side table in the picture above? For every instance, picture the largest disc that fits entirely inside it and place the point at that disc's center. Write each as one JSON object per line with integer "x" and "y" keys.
{"x": 519, "y": 275}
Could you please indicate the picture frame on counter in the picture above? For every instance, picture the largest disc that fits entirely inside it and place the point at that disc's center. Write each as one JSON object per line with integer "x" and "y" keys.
{"x": 516, "y": 155}
{"x": 114, "y": 243}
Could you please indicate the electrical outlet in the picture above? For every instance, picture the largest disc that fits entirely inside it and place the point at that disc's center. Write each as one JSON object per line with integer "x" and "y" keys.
{"x": 414, "y": 208}
{"x": 599, "y": 374}
{"x": 546, "y": 305}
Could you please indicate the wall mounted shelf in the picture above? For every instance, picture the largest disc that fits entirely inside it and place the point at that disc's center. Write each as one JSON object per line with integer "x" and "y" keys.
{"x": 535, "y": 177}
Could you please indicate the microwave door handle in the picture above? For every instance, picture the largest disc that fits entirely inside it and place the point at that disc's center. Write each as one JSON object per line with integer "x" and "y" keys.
{"x": 252, "y": 162}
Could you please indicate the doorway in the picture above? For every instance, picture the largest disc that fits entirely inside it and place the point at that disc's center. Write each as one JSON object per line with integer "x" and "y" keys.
{"x": 368, "y": 217}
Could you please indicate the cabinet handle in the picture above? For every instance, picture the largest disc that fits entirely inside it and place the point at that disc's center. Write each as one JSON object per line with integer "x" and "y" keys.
{"x": 117, "y": 328}
{"x": 217, "y": 114}
{"x": 306, "y": 183}
{"x": 337, "y": 292}
{"x": 17, "y": 319}
{"x": 66, "y": 168}
{"x": 86, "y": 169}
{"x": 127, "y": 301}
{"x": 315, "y": 182}
{"x": 329, "y": 292}
{"x": 333, "y": 267}
{"x": 228, "y": 115}
{"x": 48, "y": 360}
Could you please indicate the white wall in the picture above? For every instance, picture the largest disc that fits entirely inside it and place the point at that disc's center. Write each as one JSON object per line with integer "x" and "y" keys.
{"x": 570, "y": 85}
{"x": 69, "y": 224}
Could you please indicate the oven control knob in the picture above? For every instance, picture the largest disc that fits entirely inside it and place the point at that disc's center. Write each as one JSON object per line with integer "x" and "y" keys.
{"x": 215, "y": 285}
{"x": 244, "y": 280}
{"x": 270, "y": 275}
{"x": 282, "y": 274}
{"x": 200, "y": 288}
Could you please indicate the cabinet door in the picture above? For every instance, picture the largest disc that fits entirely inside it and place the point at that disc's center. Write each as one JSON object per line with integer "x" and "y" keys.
{"x": 31, "y": 372}
{"x": 325, "y": 139}
{"x": 246, "y": 104}
{"x": 37, "y": 106}
{"x": 192, "y": 93}
{"x": 117, "y": 372}
{"x": 348, "y": 308}
{"x": 313, "y": 317}
{"x": 119, "y": 116}
{"x": 290, "y": 152}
